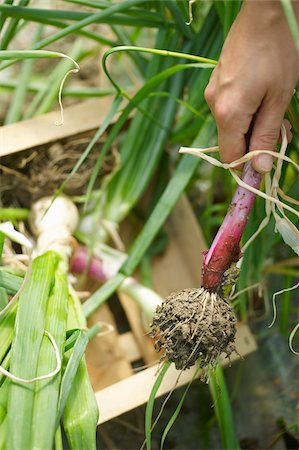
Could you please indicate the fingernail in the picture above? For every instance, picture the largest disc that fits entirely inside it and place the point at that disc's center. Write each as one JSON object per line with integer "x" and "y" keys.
{"x": 263, "y": 163}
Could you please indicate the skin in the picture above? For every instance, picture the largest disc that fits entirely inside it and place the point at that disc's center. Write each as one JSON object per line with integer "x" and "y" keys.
{"x": 252, "y": 85}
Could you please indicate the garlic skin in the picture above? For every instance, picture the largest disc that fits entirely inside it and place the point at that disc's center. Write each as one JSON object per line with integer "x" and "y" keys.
{"x": 53, "y": 223}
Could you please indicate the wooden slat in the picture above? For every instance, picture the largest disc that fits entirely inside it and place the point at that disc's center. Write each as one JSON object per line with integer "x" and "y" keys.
{"x": 135, "y": 390}
{"x": 106, "y": 359}
{"x": 129, "y": 346}
{"x": 143, "y": 341}
{"x": 85, "y": 116}
{"x": 180, "y": 265}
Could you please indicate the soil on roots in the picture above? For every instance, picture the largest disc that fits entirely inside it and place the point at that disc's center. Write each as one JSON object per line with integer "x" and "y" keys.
{"x": 194, "y": 324}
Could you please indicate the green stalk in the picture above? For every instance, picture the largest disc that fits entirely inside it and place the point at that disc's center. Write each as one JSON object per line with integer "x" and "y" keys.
{"x": 292, "y": 21}
{"x": 3, "y": 434}
{"x": 3, "y": 401}
{"x": 141, "y": 94}
{"x": 75, "y": 91}
{"x": 99, "y": 4}
{"x": 5, "y": 365}
{"x": 58, "y": 439}
{"x": 153, "y": 51}
{"x": 2, "y": 239}
{"x": 231, "y": 10}
{"x": 223, "y": 409}
{"x": 123, "y": 37}
{"x": 18, "y": 100}
{"x": 72, "y": 361}
{"x": 176, "y": 186}
{"x": 92, "y": 18}
{"x": 2, "y": 16}
{"x": 12, "y": 214}
{"x": 12, "y": 27}
{"x": 208, "y": 42}
{"x": 150, "y": 404}
{"x": 179, "y": 18}
{"x": 16, "y": 55}
{"x": 129, "y": 17}
{"x": 7, "y": 324}
{"x": 139, "y": 166}
{"x": 3, "y": 298}
{"x": 10, "y": 282}
{"x": 81, "y": 412}
{"x": 51, "y": 89}
{"x": 77, "y": 342}
{"x": 286, "y": 308}
{"x": 29, "y": 333}
{"x": 47, "y": 391}
{"x": 44, "y": 19}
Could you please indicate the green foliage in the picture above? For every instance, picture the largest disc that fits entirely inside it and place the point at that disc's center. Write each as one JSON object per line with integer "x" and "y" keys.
{"x": 223, "y": 409}
{"x": 150, "y": 404}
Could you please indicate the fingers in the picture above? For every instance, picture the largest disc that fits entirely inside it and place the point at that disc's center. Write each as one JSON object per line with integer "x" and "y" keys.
{"x": 234, "y": 112}
{"x": 210, "y": 91}
{"x": 265, "y": 134}
{"x": 232, "y": 122}
{"x": 232, "y": 125}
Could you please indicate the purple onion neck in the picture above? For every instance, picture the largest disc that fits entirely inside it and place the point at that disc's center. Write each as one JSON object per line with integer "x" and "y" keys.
{"x": 225, "y": 248}
{"x": 82, "y": 263}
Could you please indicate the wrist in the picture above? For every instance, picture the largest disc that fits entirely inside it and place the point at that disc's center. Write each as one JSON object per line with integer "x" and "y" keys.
{"x": 264, "y": 10}
{"x": 268, "y": 18}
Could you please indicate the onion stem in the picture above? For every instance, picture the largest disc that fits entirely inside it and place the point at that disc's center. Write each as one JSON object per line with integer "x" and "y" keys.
{"x": 101, "y": 270}
{"x": 225, "y": 248}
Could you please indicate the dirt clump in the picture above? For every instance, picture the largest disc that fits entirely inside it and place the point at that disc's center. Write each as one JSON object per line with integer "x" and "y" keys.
{"x": 27, "y": 176}
{"x": 194, "y": 325}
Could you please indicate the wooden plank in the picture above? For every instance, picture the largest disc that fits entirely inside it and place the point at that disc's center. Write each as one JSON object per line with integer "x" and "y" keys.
{"x": 106, "y": 360}
{"x": 180, "y": 265}
{"x": 143, "y": 341}
{"x": 135, "y": 390}
{"x": 40, "y": 130}
{"x": 129, "y": 346}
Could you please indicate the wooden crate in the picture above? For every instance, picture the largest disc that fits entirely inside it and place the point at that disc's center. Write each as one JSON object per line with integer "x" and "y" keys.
{"x": 110, "y": 357}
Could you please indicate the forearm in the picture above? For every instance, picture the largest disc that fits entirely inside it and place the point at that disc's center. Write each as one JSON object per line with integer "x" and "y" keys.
{"x": 272, "y": 9}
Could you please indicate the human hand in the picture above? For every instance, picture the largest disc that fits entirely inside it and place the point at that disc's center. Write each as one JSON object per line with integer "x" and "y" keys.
{"x": 252, "y": 85}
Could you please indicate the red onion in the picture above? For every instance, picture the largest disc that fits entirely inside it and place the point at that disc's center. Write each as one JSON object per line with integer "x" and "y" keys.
{"x": 81, "y": 262}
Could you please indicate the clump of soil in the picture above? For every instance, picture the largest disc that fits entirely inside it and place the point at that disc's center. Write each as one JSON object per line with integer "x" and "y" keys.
{"x": 194, "y": 324}
{"x": 29, "y": 175}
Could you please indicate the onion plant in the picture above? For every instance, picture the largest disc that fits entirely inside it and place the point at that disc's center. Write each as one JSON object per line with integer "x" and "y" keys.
{"x": 165, "y": 110}
{"x": 35, "y": 352}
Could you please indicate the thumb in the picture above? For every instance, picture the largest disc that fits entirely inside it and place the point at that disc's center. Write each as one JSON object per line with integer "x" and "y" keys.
{"x": 265, "y": 135}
